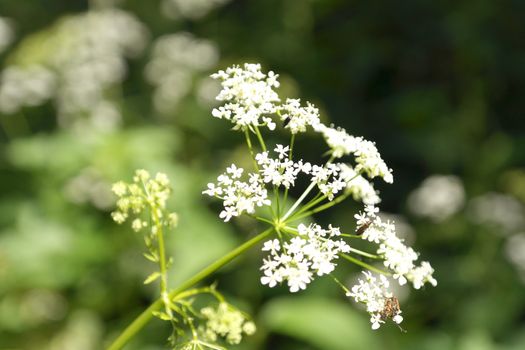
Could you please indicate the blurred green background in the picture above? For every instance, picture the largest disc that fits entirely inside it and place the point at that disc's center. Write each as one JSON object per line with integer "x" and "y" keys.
{"x": 91, "y": 91}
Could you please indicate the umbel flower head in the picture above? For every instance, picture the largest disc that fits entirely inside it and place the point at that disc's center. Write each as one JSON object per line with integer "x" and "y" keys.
{"x": 301, "y": 251}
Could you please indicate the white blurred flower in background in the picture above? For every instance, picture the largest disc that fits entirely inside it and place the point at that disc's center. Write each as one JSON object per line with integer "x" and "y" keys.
{"x": 177, "y": 61}
{"x": 81, "y": 62}
{"x": 515, "y": 253}
{"x": 89, "y": 186}
{"x": 193, "y": 9}
{"x": 25, "y": 86}
{"x": 6, "y": 33}
{"x": 438, "y": 197}
{"x": 503, "y": 212}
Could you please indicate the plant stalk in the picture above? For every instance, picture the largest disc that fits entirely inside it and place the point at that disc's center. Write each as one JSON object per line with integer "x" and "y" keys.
{"x": 147, "y": 314}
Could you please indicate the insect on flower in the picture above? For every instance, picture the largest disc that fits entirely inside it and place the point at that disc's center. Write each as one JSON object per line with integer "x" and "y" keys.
{"x": 361, "y": 229}
{"x": 391, "y": 308}
{"x": 286, "y": 122}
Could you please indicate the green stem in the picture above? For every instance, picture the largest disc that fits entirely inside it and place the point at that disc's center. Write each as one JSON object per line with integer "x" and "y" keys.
{"x": 162, "y": 262}
{"x": 297, "y": 202}
{"x": 147, "y": 314}
{"x": 325, "y": 206}
{"x": 316, "y": 200}
{"x": 261, "y": 140}
{"x": 261, "y": 219}
{"x": 322, "y": 207}
{"x": 365, "y": 254}
{"x": 292, "y": 141}
{"x": 197, "y": 291}
{"x": 276, "y": 195}
{"x": 340, "y": 284}
{"x": 349, "y": 235}
{"x": 250, "y": 147}
{"x": 363, "y": 264}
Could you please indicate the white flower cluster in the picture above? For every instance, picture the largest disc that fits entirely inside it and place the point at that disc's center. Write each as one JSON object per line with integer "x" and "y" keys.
{"x": 330, "y": 178}
{"x": 367, "y": 157}
{"x": 397, "y": 256}
{"x": 379, "y": 301}
{"x": 297, "y": 118}
{"x": 238, "y": 196}
{"x": 177, "y": 60}
{"x": 360, "y": 188}
{"x": 311, "y": 253}
{"x": 281, "y": 171}
{"x": 249, "y": 95}
{"x": 227, "y": 322}
{"x": 251, "y": 102}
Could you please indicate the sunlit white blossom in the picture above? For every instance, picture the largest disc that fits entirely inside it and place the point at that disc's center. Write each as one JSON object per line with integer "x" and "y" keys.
{"x": 374, "y": 293}
{"x": 397, "y": 256}
{"x": 360, "y": 188}
{"x": 367, "y": 157}
{"x": 329, "y": 179}
{"x": 296, "y": 117}
{"x": 281, "y": 171}
{"x": 238, "y": 196}
{"x": 249, "y": 95}
{"x": 297, "y": 261}
{"x": 301, "y": 253}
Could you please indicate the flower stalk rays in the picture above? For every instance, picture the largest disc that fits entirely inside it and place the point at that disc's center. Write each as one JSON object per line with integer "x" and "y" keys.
{"x": 301, "y": 252}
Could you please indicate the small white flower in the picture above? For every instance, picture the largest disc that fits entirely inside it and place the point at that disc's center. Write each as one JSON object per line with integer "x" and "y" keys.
{"x": 228, "y": 213}
{"x": 398, "y": 257}
{"x": 272, "y": 245}
{"x": 213, "y": 190}
{"x": 296, "y": 117}
{"x": 282, "y": 151}
{"x": 312, "y": 252}
{"x": 374, "y": 293}
{"x": 238, "y": 196}
{"x": 249, "y": 96}
{"x": 281, "y": 171}
{"x": 366, "y": 154}
{"x": 360, "y": 188}
{"x": 234, "y": 171}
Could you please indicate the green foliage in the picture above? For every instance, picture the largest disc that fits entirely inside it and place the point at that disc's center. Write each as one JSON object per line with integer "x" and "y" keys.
{"x": 438, "y": 85}
{"x": 316, "y": 321}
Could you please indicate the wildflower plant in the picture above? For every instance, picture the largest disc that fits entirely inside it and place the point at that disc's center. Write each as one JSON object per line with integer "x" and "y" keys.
{"x": 144, "y": 203}
{"x": 297, "y": 250}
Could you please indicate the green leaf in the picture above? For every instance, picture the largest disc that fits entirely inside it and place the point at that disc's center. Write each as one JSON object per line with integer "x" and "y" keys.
{"x": 324, "y": 323}
{"x": 152, "y": 277}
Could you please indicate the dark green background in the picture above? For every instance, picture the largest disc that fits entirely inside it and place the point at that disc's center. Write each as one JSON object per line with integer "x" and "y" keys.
{"x": 438, "y": 85}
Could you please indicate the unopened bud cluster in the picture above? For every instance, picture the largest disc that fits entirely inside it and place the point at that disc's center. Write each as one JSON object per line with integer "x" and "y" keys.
{"x": 145, "y": 192}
